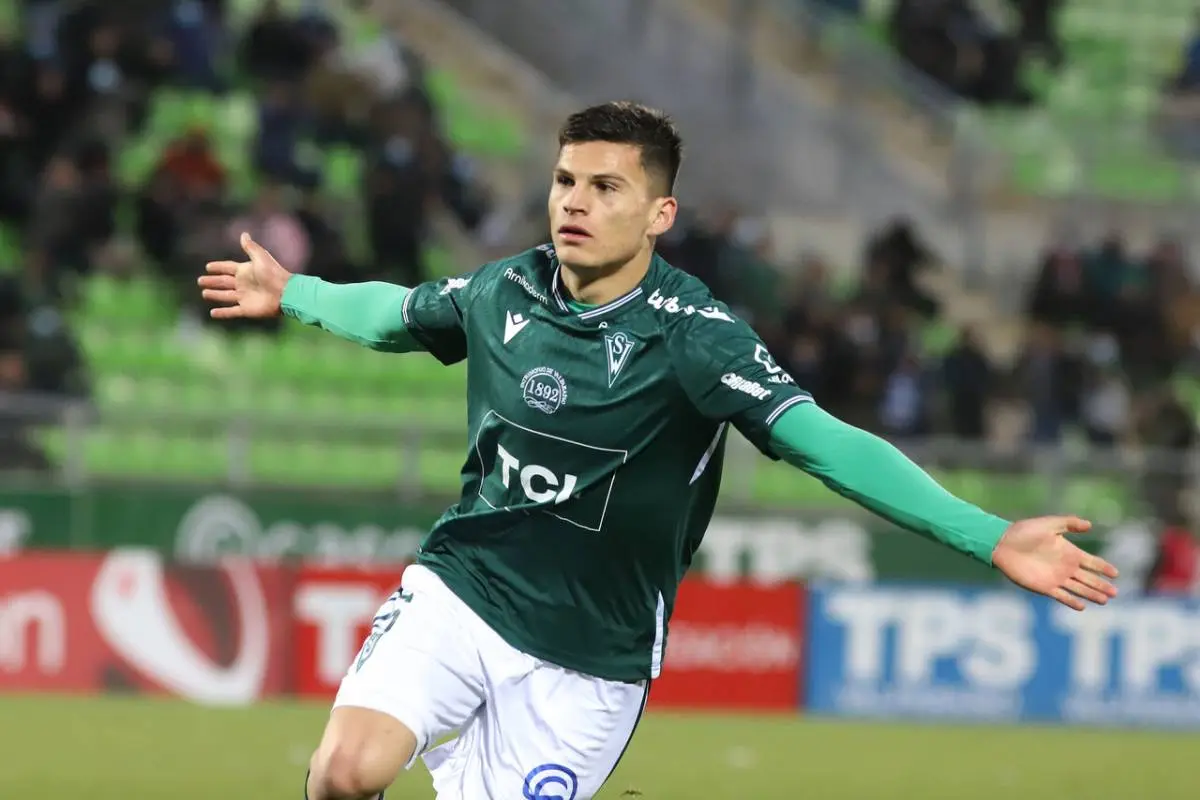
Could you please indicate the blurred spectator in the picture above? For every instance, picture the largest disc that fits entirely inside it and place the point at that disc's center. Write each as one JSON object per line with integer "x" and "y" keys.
{"x": 194, "y": 33}
{"x": 1106, "y": 405}
{"x": 38, "y": 356}
{"x": 1038, "y": 28}
{"x": 808, "y": 295}
{"x": 1060, "y": 294}
{"x": 282, "y": 125}
{"x": 1049, "y": 379}
{"x": 905, "y": 409}
{"x": 54, "y": 363}
{"x": 51, "y": 106}
{"x": 98, "y": 197}
{"x": 192, "y": 166}
{"x": 160, "y": 204}
{"x": 1168, "y": 429}
{"x": 1186, "y": 79}
{"x": 1168, "y": 269}
{"x": 969, "y": 383}
{"x": 274, "y": 48}
{"x": 409, "y": 170}
{"x": 275, "y": 227}
{"x": 956, "y": 46}
{"x": 17, "y": 452}
{"x": 329, "y": 258}
{"x": 54, "y": 228}
{"x": 900, "y": 256}
{"x": 1176, "y": 571}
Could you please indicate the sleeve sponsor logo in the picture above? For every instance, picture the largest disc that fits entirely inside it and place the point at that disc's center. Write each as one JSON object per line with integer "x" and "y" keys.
{"x": 671, "y": 305}
{"x": 740, "y": 384}
{"x": 454, "y": 284}
{"x": 763, "y": 357}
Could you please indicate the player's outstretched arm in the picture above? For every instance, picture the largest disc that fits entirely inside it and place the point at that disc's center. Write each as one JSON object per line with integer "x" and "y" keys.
{"x": 862, "y": 467}
{"x": 367, "y": 313}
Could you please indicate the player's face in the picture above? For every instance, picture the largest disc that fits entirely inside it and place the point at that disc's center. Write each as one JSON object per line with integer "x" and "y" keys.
{"x": 604, "y": 207}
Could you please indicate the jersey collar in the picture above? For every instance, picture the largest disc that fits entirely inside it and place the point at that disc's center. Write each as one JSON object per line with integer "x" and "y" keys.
{"x": 599, "y": 311}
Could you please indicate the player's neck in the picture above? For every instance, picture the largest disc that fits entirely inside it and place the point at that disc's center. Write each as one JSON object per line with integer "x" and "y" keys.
{"x": 599, "y": 285}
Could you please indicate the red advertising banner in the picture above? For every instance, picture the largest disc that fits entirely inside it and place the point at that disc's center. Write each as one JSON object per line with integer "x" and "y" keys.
{"x": 47, "y": 641}
{"x": 236, "y": 632}
{"x": 333, "y": 609}
{"x": 733, "y": 647}
{"x": 125, "y": 621}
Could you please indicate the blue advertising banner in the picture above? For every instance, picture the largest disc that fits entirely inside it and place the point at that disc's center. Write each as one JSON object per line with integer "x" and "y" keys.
{"x": 998, "y": 655}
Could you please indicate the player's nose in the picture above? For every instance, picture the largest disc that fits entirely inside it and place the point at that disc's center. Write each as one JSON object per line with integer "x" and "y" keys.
{"x": 574, "y": 201}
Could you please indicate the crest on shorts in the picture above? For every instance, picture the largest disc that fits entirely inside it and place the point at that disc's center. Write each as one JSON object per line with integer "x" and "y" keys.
{"x": 382, "y": 623}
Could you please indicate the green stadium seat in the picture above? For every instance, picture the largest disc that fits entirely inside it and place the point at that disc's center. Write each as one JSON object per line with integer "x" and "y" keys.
{"x": 1117, "y": 56}
{"x": 11, "y": 258}
{"x": 470, "y": 128}
{"x": 342, "y": 169}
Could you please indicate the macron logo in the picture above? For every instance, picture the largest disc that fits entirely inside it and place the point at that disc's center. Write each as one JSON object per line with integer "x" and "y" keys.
{"x": 513, "y": 324}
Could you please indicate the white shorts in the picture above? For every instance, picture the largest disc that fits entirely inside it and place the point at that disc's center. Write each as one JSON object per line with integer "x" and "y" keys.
{"x": 526, "y": 728}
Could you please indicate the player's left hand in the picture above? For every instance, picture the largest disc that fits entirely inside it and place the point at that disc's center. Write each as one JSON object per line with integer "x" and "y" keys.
{"x": 1036, "y": 555}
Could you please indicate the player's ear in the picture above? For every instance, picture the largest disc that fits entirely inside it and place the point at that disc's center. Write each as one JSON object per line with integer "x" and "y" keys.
{"x": 665, "y": 209}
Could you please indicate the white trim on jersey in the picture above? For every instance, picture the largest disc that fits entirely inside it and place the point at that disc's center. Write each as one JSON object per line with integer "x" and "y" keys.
{"x": 656, "y": 656}
{"x": 708, "y": 454}
{"x": 554, "y": 287}
{"x": 785, "y": 405}
{"x": 595, "y": 312}
{"x": 613, "y": 306}
{"x": 404, "y": 309}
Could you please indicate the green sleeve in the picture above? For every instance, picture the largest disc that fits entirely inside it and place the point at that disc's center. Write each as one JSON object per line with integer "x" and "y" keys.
{"x": 866, "y": 469}
{"x": 370, "y": 314}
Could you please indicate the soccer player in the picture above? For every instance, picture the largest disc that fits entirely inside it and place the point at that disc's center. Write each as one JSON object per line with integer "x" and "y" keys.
{"x": 601, "y": 386}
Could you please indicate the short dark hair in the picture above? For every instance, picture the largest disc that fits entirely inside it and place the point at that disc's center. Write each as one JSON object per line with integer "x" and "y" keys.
{"x": 624, "y": 122}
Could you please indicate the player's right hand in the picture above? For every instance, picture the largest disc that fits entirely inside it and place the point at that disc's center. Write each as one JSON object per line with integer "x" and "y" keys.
{"x": 245, "y": 289}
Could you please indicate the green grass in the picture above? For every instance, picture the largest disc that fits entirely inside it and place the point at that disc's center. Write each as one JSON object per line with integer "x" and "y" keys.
{"x": 125, "y": 748}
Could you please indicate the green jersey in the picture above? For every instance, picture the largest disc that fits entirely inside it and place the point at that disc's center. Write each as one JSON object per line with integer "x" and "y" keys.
{"x": 596, "y": 441}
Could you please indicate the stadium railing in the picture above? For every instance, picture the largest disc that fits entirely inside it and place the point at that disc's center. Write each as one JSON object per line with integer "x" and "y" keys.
{"x": 261, "y": 443}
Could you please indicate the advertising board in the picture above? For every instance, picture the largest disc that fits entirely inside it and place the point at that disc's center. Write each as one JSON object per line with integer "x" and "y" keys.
{"x": 998, "y": 655}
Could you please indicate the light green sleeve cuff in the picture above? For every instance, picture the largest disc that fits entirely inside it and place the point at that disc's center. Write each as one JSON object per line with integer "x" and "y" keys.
{"x": 868, "y": 470}
{"x": 370, "y": 314}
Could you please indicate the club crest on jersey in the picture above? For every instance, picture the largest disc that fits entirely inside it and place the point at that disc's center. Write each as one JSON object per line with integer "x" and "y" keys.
{"x": 618, "y": 346}
{"x": 544, "y": 389}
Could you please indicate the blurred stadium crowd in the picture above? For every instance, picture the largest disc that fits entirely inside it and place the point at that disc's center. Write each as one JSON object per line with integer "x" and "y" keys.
{"x": 81, "y": 81}
{"x": 1105, "y": 339}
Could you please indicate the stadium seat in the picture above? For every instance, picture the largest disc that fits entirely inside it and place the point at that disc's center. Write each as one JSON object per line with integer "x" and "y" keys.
{"x": 1117, "y": 55}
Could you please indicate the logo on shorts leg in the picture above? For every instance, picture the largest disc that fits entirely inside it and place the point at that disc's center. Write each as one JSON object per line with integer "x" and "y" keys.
{"x": 551, "y": 782}
{"x": 382, "y": 623}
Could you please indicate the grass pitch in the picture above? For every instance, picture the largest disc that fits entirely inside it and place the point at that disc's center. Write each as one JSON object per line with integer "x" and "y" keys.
{"x": 60, "y": 748}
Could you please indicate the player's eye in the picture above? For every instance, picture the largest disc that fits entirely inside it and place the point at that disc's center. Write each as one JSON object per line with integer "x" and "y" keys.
{"x": 563, "y": 180}
{"x": 606, "y": 187}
